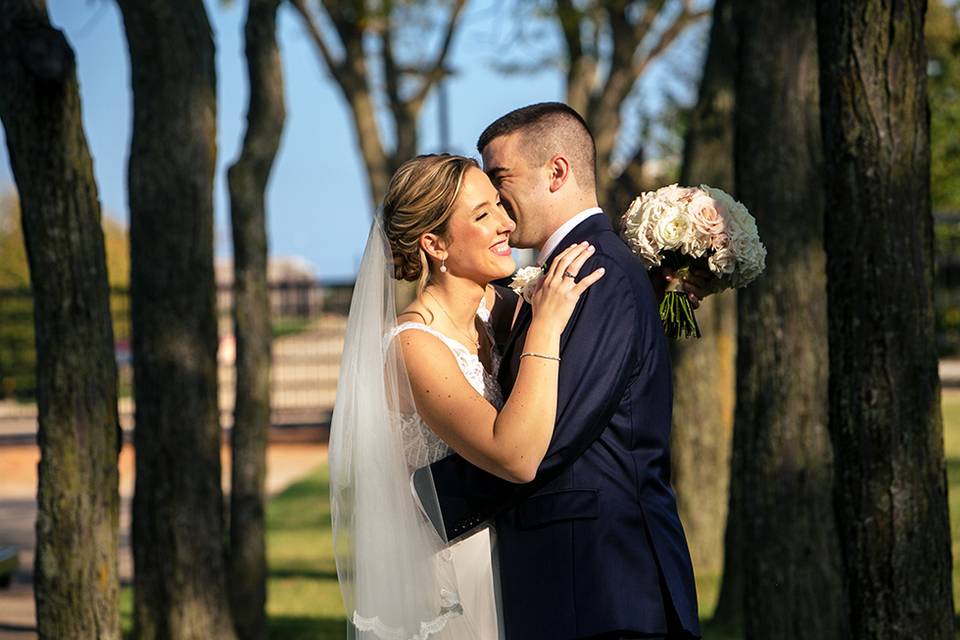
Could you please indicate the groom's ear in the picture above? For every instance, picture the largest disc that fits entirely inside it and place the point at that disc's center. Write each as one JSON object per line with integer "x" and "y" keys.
{"x": 434, "y": 246}
{"x": 559, "y": 169}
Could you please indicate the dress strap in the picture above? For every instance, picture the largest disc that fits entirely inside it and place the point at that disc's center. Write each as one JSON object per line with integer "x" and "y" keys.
{"x": 452, "y": 344}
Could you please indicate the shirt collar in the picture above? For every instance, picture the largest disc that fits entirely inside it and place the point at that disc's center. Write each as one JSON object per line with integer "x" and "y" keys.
{"x": 557, "y": 236}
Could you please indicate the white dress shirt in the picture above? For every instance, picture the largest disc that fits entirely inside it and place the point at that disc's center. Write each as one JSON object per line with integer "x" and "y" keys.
{"x": 557, "y": 236}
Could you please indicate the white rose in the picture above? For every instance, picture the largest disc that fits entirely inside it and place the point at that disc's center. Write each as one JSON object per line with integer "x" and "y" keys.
{"x": 720, "y": 241}
{"x": 638, "y": 223}
{"x": 742, "y": 220}
{"x": 525, "y": 281}
{"x": 741, "y": 245}
{"x": 697, "y": 243}
{"x": 647, "y": 252}
{"x": 751, "y": 265}
{"x": 671, "y": 230}
{"x": 631, "y": 218}
{"x": 675, "y": 193}
{"x": 722, "y": 263}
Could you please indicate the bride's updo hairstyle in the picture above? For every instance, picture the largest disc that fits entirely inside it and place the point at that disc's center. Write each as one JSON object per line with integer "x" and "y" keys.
{"x": 420, "y": 200}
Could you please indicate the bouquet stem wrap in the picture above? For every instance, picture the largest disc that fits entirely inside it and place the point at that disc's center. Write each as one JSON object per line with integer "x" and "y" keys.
{"x": 676, "y": 313}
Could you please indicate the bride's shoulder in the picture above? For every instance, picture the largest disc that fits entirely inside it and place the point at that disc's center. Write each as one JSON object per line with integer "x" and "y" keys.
{"x": 417, "y": 316}
{"x": 429, "y": 357}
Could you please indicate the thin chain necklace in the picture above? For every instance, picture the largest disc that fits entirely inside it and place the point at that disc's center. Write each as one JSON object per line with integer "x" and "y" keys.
{"x": 474, "y": 341}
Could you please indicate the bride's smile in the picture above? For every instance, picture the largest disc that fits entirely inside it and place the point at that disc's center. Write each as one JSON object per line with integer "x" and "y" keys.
{"x": 477, "y": 238}
{"x": 502, "y": 248}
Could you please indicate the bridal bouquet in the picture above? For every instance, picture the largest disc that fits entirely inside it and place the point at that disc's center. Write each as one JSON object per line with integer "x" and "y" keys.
{"x": 684, "y": 227}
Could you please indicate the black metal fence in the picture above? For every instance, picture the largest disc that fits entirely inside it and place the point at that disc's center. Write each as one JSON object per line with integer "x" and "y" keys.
{"x": 946, "y": 290}
{"x": 309, "y": 320}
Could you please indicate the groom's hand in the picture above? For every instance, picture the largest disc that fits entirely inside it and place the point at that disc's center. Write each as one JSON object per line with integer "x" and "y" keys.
{"x": 695, "y": 284}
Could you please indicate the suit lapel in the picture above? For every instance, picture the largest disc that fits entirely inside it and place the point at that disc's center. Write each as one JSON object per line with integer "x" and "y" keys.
{"x": 519, "y": 325}
{"x": 510, "y": 363}
{"x": 591, "y": 226}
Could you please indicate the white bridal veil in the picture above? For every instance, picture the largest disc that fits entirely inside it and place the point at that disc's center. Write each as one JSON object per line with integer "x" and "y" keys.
{"x": 396, "y": 574}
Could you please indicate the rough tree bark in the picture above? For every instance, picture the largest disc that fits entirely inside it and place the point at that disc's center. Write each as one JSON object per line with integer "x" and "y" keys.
{"x": 703, "y": 370}
{"x": 178, "y": 533}
{"x": 885, "y": 417}
{"x": 75, "y": 569}
{"x": 247, "y": 180}
{"x": 792, "y": 564}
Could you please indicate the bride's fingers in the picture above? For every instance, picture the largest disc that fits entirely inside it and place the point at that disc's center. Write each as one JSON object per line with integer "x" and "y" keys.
{"x": 562, "y": 265}
{"x": 577, "y": 263}
{"x": 585, "y": 283}
{"x": 562, "y": 261}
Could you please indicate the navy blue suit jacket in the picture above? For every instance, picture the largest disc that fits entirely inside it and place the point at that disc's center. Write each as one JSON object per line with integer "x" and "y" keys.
{"x": 594, "y": 543}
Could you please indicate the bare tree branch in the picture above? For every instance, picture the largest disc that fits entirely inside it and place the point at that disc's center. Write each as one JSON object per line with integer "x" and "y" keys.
{"x": 571, "y": 20}
{"x": 622, "y": 77}
{"x": 336, "y": 67}
{"x": 581, "y": 65}
{"x": 436, "y": 72}
{"x": 667, "y": 37}
{"x": 390, "y": 71}
{"x": 643, "y": 26}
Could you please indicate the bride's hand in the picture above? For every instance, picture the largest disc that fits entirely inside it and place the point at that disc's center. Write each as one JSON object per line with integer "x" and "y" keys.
{"x": 559, "y": 289}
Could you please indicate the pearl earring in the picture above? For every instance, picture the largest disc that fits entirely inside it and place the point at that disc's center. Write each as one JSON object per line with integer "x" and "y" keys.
{"x": 443, "y": 266}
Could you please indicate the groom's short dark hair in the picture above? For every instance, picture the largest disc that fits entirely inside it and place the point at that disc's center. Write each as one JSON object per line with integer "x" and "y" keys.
{"x": 548, "y": 128}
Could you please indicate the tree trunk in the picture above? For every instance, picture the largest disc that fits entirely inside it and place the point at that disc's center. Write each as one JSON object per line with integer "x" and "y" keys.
{"x": 793, "y": 568}
{"x": 178, "y": 533}
{"x": 703, "y": 369}
{"x": 886, "y": 426}
{"x": 251, "y": 319}
{"x": 378, "y": 163}
{"x": 75, "y": 570}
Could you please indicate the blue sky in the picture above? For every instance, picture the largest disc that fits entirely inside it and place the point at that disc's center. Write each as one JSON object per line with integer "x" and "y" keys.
{"x": 318, "y": 206}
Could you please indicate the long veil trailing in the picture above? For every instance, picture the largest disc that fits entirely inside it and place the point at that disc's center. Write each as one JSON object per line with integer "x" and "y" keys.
{"x": 396, "y": 574}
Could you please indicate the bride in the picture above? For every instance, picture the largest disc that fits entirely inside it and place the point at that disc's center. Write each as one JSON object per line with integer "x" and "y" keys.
{"x": 422, "y": 384}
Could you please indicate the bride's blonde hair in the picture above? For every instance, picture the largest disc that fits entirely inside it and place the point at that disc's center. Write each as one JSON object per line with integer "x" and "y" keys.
{"x": 420, "y": 200}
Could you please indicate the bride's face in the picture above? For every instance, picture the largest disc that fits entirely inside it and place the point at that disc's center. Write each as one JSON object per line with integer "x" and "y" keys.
{"x": 478, "y": 232}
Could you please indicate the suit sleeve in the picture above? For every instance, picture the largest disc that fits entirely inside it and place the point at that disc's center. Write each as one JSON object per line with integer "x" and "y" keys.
{"x": 598, "y": 351}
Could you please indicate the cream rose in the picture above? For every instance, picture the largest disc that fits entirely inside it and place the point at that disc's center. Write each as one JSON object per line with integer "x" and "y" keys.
{"x": 672, "y": 229}
{"x": 525, "y": 281}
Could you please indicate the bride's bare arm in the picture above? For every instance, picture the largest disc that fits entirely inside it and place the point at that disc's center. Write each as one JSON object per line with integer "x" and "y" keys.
{"x": 511, "y": 443}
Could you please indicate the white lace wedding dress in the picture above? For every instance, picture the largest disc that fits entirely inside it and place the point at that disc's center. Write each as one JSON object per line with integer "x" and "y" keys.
{"x": 473, "y": 557}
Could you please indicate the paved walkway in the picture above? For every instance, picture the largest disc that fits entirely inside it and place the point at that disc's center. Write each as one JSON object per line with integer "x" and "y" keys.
{"x": 290, "y": 458}
{"x": 950, "y": 372}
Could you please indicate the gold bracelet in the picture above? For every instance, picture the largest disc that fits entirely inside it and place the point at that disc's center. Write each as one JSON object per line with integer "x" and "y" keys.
{"x": 539, "y": 355}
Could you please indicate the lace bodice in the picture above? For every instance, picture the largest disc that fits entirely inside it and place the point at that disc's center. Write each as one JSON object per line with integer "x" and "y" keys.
{"x": 421, "y": 445}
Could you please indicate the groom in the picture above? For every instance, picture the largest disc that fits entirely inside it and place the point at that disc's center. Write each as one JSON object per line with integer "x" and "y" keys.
{"x": 593, "y": 546}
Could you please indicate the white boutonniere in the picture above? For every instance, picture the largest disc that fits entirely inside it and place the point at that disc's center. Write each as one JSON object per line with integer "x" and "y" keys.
{"x": 525, "y": 281}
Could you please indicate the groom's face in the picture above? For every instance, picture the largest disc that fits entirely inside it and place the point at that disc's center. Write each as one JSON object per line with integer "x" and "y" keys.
{"x": 521, "y": 187}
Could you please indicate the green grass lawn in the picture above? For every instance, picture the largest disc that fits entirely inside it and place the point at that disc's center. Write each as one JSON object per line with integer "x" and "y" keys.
{"x": 951, "y": 441}
{"x": 303, "y": 596}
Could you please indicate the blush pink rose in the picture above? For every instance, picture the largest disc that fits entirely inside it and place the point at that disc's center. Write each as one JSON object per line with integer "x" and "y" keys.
{"x": 705, "y": 215}
{"x": 720, "y": 241}
{"x": 676, "y": 193}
